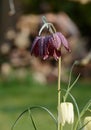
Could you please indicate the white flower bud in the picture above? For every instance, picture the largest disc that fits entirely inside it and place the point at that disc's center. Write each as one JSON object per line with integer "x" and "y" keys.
{"x": 87, "y": 123}
{"x": 66, "y": 113}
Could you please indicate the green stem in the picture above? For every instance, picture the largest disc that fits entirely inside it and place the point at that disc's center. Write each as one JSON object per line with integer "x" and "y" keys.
{"x": 59, "y": 88}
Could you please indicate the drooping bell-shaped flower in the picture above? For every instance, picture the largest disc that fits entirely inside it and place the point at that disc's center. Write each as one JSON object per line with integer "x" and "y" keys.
{"x": 87, "y": 123}
{"x": 49, "y": 46}
{"x": 66, "y": 113}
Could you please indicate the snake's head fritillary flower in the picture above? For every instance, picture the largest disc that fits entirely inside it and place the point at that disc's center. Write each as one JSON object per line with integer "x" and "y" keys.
{"x": 49, "y": 46}
{"x": 87, "y": 123}
{"x": 58, "y": 40}
{"x": 66, "y": 113}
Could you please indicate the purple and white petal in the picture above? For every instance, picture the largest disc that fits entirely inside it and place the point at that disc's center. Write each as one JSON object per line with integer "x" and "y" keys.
{"x": 45, "y": 47}
{"x": 56, "y": 41}
{"x": 63, "y": 40}
{"x": 55, "y": 55}
{"x": 34, "y": 44}
{"x": 40, "y": 44}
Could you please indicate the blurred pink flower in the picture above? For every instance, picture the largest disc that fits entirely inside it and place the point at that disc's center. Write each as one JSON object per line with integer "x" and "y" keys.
{"x": 49, "y": 46}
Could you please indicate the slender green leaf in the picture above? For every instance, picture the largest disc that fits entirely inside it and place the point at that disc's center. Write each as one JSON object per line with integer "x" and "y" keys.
{"x": 69, "y": 89}
{"x": 31, "y": 108}
{"x": 30, "y": 114}
{"x": 88, "y": 104}
{"x": 70, "y": 75}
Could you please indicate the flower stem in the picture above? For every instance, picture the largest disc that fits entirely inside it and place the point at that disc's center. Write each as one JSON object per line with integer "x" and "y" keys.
{"x": 59, "y": 88}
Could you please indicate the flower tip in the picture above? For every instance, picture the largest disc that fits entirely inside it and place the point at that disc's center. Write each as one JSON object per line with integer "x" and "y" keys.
{"x": 45, "y": 57}
{"x": 70, "y": 50}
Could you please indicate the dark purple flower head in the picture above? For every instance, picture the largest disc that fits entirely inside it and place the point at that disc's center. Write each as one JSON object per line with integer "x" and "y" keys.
{"x": 49, "y": 46}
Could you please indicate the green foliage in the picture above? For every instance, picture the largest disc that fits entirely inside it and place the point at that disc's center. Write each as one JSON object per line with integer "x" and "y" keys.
{"x": 17, "y": 95}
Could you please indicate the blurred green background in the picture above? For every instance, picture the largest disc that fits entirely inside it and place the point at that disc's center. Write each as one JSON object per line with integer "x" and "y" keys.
{"x": 16, "y": 96}
{"x": 19, "y": 90}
